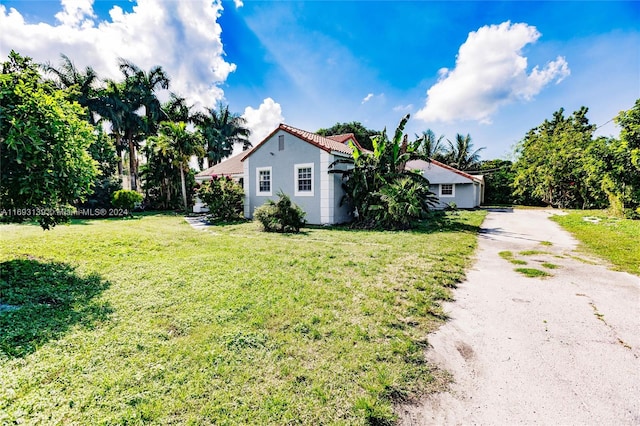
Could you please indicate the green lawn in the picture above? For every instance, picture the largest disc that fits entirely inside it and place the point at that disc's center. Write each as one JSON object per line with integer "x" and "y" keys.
{"x": 616, "y": 240}
{"x": 149, "y": 321}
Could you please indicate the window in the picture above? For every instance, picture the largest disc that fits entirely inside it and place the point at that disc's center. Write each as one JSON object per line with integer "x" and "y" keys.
{"x": 263, "y": 181}
{"x": 447, "y": 190}
{"x": 281, "y": 143}
{"x": 304, "y": 179}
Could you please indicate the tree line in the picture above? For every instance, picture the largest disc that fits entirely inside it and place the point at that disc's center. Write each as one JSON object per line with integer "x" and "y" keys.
{"x": 560, "y": 163}
{"x": 167, "y": 134}
{"x": 67, "y": 137}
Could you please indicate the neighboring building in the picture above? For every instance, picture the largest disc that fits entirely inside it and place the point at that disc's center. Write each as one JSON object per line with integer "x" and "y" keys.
{"x": 450, "y": 184}
{"x": 297, "y": 163}
{"x": 231, "y": 167}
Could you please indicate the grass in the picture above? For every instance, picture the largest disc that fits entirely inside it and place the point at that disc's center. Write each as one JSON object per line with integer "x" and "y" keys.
{"x": 550, "y": 265}
{"x": 532, "y": 272}
{"x": 508, "y": 255}
{"x": 613, "y": 239}
{"x": 532, "y": 252}
{"x": 150, "y": 321}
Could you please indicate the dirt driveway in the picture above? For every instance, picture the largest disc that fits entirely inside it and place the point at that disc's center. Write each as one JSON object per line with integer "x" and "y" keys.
{"x": 564, "y": 349}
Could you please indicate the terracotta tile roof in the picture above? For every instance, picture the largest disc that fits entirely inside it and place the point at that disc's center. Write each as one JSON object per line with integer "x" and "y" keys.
{"x": 229, "y": 167}
{"x": 324, "y": 143}
{"x": 345, "y": 137}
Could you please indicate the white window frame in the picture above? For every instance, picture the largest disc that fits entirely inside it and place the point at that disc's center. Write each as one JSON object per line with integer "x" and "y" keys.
{"x": 297, "y": 192}
{"x": 264, "y": 193}
{"x": 453, "y": 190}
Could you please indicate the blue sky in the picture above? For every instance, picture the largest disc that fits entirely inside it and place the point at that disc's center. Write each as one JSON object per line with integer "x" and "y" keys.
{"x": 490, "y": 69}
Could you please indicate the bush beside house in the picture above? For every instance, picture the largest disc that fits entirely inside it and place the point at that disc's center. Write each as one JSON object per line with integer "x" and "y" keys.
{"x": 224, "y": 198}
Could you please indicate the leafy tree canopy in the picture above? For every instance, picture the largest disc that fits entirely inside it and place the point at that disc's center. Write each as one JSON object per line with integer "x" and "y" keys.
{"x": 383, "y": 193}
{"x": 553, "y": 163}
{"x": 44, "y": 137}
{"x": 461, "y": 155}
{"x": 498, "y": 179}
{"x": 221, "y": 130}
{"x": 622, "y": 180}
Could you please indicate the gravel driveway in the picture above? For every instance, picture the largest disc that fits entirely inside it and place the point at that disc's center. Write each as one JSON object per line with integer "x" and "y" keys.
{"x": 563, "y": 349}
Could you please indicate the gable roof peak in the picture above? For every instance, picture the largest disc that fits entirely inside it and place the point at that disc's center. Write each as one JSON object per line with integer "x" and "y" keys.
{"x": 322, "y": 142}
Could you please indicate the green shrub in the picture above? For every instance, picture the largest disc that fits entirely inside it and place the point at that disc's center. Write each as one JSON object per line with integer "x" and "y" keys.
{"x": 400, "y": 203}
{"x": 125, "y": 199}
{"x": 224, "y": 198}
{"x": 280, "y": 216}
{"x": 383, "y": 193}
{"x": 633, "y": 214}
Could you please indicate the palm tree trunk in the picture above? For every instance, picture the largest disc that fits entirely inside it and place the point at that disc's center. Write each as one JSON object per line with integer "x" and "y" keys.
{"x": 119, "y": 151}
{"x": 132, "y": 164}
{"x": 184, "y": 189}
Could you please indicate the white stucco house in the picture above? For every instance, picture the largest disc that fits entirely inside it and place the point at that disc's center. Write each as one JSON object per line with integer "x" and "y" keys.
{"x": 297, "y": 162}
{"x": 450, "y": 184}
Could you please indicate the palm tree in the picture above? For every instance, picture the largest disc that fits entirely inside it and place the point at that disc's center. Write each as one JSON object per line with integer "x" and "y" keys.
{"x": 461, "y": 155}
{"x": 431, "y": 146}
{"x": 176, "y": 109}
{"x": 174, "y": 141}
{"x": 119, "y": 106}
{"x": 159, "y": 172}
{"x": 144, "y": 85}
{"x": 221, "y": 130}
{"x": 67, "y": 76}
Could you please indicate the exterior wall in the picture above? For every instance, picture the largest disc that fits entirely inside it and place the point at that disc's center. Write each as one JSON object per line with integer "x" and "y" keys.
{"x": 282, "y": 163}
{"x": 437, "y": 175}
{"x": 341, "y": 213}
{"x": 466, "y": 195}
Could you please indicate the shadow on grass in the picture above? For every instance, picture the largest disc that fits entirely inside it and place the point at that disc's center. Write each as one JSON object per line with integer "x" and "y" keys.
{"x": 40, "y": 301}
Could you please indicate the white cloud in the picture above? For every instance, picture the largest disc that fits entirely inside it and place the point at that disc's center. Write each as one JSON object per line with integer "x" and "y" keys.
{"x": 263, "y": 120}
{"x": 399, "y": 108}
{"x": 367, "y": 98}
{"x": 182, "y": 37}
{"x": 490, "y": 72}
{"x": 76, "y": 13}
{"x": 238, "y": 3}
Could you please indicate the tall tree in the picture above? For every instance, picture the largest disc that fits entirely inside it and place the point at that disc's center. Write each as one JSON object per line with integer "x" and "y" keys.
{"x": 432, "y": 146}
{"x": 44, "y": 137}
{"x": 552, "y": 162}
{"x": 120, "y": 106}
{"x": 143, "y": 86}
{"x": 461, "y": 155}
{"x": 81, "y": 84}
{"x": 498, "y": 180}
{"x": 221, "y": 130}
{"x": 159, "y": 176}
{"x": 621, "y": 179}
{"x": 106, "y": 182}
{"x": 176, "y": 109}
{"x": 362, "y": 134}
{"x": 174, "y": 141}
